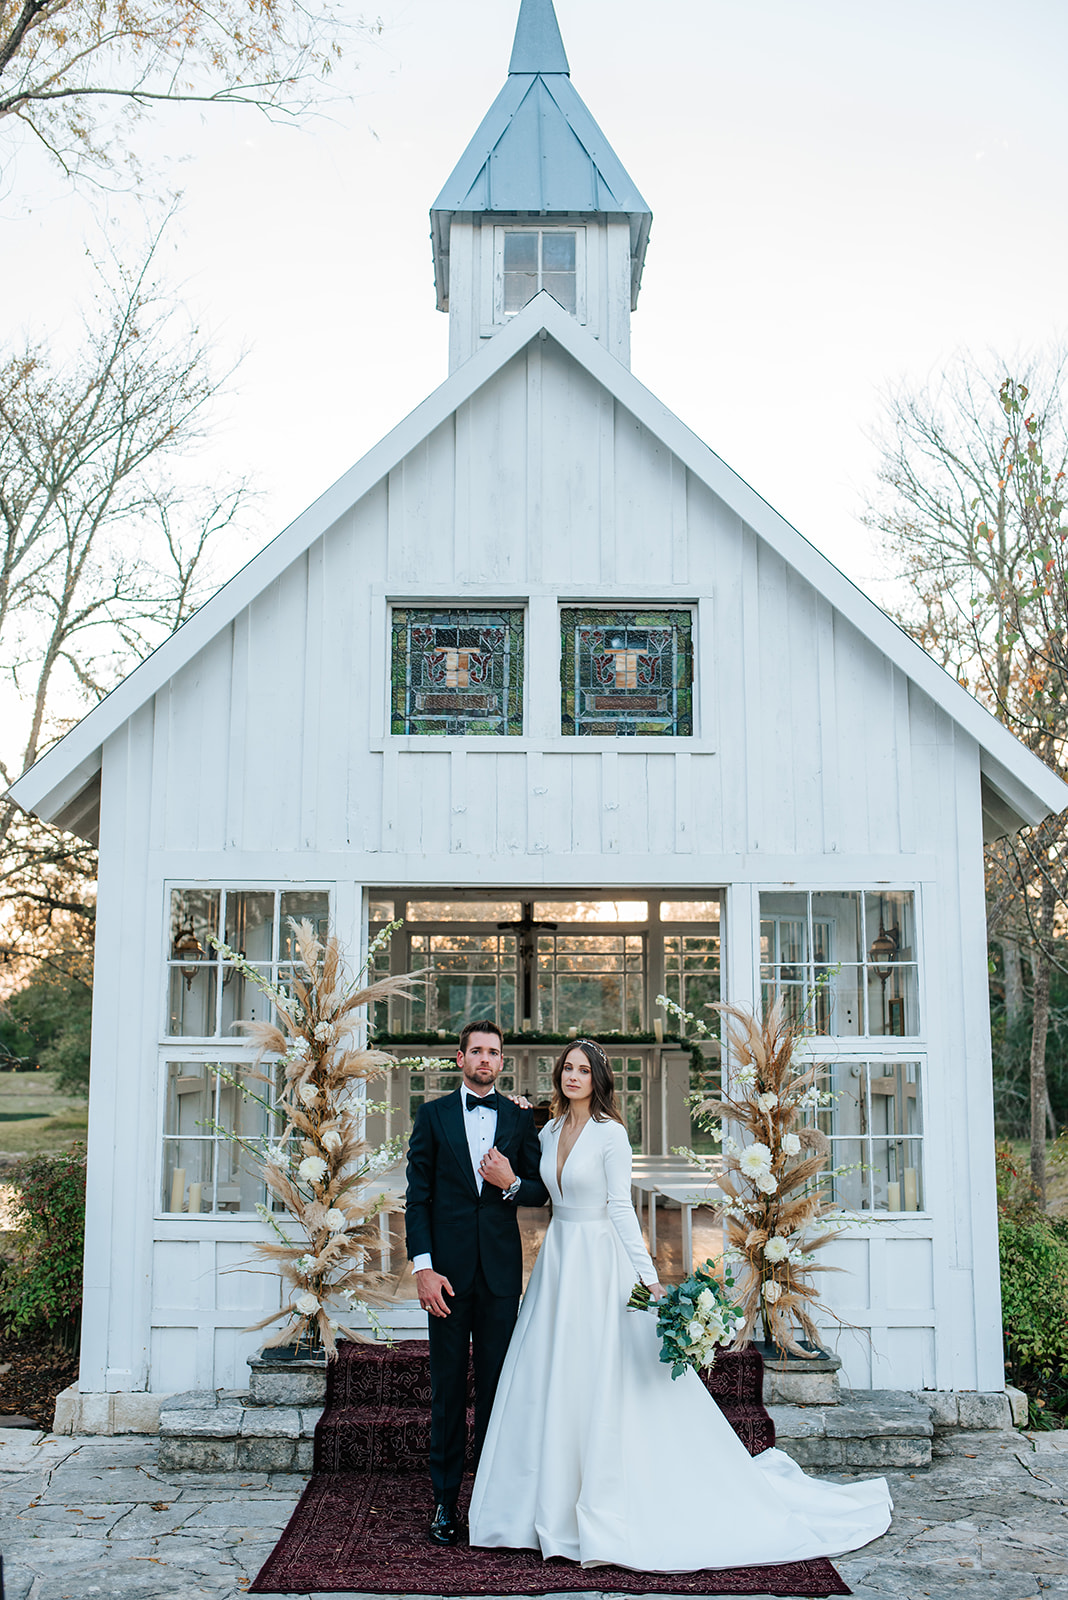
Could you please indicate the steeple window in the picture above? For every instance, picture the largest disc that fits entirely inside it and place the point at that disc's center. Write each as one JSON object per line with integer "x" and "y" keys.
{"x": 532, "y": 259}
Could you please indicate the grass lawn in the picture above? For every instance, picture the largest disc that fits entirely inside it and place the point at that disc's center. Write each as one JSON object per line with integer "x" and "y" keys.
{"x": 35, "y": 1117}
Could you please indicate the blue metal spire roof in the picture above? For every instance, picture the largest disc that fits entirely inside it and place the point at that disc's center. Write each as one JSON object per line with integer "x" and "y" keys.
{"x": 538, "y": 150}
{"x": 538, "y": 46}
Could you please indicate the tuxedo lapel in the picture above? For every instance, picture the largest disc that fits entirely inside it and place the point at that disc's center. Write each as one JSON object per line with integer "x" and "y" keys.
{"x": 452, "y": 1121}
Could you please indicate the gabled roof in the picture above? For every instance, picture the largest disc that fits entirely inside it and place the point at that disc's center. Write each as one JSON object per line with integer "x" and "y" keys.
{"x": 1018, "y": 787}
{"x": 538, "y": 150}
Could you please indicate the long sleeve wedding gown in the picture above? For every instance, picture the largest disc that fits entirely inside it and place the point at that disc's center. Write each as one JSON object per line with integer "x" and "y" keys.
{"x": 594, "y": 1452}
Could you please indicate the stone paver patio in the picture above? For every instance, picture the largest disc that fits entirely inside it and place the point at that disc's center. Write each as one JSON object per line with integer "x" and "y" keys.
{"x": 85, "y": 1516}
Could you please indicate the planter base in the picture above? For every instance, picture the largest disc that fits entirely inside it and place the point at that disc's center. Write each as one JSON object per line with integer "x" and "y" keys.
{"x": 799, "y": 1381}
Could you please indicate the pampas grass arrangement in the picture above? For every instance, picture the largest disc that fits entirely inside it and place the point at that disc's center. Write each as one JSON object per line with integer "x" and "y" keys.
{"x": 775, "y": 1218}
{"x": 319, "y": 1167}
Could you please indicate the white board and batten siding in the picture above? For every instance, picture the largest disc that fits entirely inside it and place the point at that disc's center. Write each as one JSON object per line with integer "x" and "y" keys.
{"x": 267, "y": 757}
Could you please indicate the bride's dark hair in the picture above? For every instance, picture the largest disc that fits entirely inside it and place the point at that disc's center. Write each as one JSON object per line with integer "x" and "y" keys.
{"x": 603, "y": 1106}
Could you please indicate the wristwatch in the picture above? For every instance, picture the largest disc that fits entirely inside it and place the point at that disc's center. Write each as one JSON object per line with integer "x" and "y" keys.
{"x": 512, "y": 1189}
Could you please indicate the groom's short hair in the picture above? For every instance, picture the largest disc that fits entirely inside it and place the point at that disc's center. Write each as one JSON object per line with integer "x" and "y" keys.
{"x": 486, "y": 1026}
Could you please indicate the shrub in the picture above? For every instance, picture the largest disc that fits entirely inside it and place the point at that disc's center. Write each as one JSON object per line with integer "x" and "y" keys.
{"x": 42, "y": 1287}
{"x": 1033, "y": 1250}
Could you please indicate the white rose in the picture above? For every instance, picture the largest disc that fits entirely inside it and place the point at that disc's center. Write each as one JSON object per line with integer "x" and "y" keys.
{"x": 767, "y": 1101}
{"x": 336, "y": 1221}
{"x": 755, "y": 1159}
{"x": 776, "y": 1249}
{"x": 312, "y": 1169}
{"x": 706, "y": 1301}
{"x": 766, "y": 1183}
{"x": 307, "y": 1303}
{"x": 322, "y": 1032}
{"x": 694, "y": 1331}
{"x": 791, "y": 1144}
{"x": 772, "y": 1291}
{"x": 331, "y": 1140}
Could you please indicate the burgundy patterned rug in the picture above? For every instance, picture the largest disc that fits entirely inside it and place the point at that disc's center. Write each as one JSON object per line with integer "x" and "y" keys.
{"x": 361, "y": 1523}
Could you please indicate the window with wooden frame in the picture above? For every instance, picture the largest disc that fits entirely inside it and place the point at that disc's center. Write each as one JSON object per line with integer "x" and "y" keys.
{"x": 202, "y": 1060}
{"x": 527, "y": 260}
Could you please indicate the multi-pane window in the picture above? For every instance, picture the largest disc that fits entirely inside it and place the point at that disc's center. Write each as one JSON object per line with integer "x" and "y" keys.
{"x": 875, "y": 1124}
{"x": 205, "y": 995}
{"x": 692, "y": 959}
{"x": 203, "y": 1171}
{"x": 844, "y": 960}
{"x": 539, "y": 258}
{"x": 456, "y": 671}
{"x": 592, "y": 982}
{"x": 468, "y": 975}
{"x": 626, "y": 672}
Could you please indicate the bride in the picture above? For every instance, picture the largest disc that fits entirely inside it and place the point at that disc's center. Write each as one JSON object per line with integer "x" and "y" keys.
{"x": 593, "y": 1451}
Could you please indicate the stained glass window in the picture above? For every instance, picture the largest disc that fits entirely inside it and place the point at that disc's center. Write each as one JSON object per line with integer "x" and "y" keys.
{"x": 627, "y": 672}
{"x": 457, "y": 671}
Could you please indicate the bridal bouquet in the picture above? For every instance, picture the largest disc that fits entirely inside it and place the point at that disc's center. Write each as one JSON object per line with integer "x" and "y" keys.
{"x": 694, "y": 1319}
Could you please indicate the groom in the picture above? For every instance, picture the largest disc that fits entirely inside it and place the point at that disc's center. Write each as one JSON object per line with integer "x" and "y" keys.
{"x": 472, "y": 1159}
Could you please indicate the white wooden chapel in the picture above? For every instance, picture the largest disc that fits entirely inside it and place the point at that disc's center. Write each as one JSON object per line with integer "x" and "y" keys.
{"x": 567, "y": 694}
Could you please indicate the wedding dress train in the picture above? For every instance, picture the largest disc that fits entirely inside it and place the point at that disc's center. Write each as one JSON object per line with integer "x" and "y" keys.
{"x": 594, "y": 1452}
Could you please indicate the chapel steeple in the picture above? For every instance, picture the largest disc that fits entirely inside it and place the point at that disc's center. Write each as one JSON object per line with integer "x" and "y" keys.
{"x": 538, "y": 201}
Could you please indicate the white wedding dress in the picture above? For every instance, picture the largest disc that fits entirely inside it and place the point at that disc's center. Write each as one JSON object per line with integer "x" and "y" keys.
{"x": 595, "y": 1452}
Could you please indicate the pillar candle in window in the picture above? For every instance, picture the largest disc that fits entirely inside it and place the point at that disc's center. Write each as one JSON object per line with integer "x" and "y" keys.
{"x": 195, "y": 1194}
{"x": 658, "y": 1029}
{"x": 911, "y": 1189}
{"x": 177, "y": 1188}
{"x": 893, "y": 1197}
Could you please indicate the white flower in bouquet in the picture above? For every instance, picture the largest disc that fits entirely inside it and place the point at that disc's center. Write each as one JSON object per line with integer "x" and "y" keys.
{"x": 766, "y": 1183}
{"x": 755, "y": 1159}
{"x": 298, "y": 1048}
{"x": 331, "y": 1140}
{"x": 308, "y": 1094}
{"x": 312, "y": 1169}
{"x": 731, "y": 1146}
{"x": 745, "y": 1075}
{"x": 336, "y": 1221}
{"x": 305, "y": 1263}
{"x": 706, "y": 1302}
{"x": 307, "y": 1304}
{"x": 695, "y": 1331}
{"x": 323, "y": 1031}
{"x": 791, "y": 1144}
{"x": 767, "y": 1101}
{"x": 776, "y": 1249}
{"x": 276, "y": 1155}
{"x": 772, "y": 1291}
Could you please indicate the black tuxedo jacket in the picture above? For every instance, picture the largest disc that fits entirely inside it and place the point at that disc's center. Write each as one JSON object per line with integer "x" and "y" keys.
{"x": 447, "y": 1218}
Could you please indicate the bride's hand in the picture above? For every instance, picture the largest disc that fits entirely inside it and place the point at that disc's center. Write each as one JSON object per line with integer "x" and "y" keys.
{"x": 657, "y": 1291}
{"x": 520, "y": 1100}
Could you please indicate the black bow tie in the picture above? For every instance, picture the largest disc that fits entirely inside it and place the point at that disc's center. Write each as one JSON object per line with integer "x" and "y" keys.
{"x": 488, "y": 1100}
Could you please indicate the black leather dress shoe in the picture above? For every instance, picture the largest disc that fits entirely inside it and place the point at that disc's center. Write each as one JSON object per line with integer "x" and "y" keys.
{"x": 445, "y": 1525}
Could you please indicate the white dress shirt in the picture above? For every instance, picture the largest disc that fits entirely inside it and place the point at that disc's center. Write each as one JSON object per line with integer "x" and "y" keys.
{"x": 480, "y": 1126}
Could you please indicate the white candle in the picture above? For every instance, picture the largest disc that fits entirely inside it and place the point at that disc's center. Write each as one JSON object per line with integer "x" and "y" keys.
{"x": 658, "y": 1029}
{"x": 194, "y": 1199}
{"x": 177, "y": 1188}
{"x": 911, "y": 1189}
{"x": 572, "y": 1033}
{"x": 893, "y": 1197}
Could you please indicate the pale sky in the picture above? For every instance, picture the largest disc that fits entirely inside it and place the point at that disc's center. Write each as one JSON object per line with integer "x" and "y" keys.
{"x": 843, "y": 195}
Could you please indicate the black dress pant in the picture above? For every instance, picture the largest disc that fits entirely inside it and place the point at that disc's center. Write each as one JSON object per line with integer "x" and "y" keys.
{"x": 479, "y": 1326}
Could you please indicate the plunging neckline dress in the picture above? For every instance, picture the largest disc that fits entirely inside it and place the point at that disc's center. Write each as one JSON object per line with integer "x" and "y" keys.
{"x": 594, "y": 1452}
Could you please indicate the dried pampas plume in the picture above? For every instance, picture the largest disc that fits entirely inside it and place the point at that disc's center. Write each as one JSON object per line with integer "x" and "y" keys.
{"x": 319, "y": 1166}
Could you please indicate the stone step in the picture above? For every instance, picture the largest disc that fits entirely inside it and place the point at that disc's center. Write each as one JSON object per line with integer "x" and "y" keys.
{"x": 867, "y": 1428}
{"x": 218, "y": 1431}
